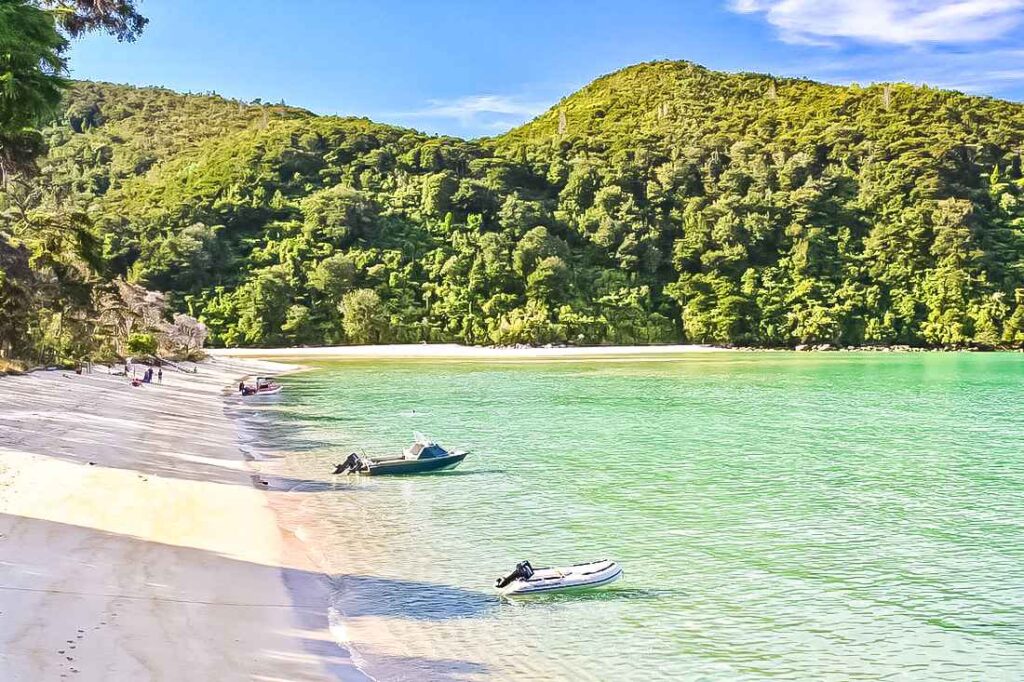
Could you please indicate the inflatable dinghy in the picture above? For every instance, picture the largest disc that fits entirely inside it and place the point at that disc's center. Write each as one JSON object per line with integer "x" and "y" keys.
{"x": 527, "y": 580}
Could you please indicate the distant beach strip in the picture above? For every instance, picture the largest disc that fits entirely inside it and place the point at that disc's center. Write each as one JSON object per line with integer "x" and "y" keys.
{"x": 452, "y": 351}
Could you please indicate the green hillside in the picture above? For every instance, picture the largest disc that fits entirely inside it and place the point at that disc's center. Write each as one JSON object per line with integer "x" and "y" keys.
{"x": 663, "y": 202}
{"x": 111, "y": 133}
{"x": 797, "y": 211}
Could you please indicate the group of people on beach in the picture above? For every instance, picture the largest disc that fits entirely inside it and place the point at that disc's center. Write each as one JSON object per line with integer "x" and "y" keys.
{"x": 147, "y": 376}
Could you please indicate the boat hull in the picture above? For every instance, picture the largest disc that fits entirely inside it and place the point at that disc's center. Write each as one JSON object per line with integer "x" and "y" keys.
{"x": 413, "y": 466}
{"x": 571, "y": 579}
{"x": 264, "y": 394}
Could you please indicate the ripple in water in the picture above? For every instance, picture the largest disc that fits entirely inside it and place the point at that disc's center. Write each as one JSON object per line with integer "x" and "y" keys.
{"x": 847, "y": 516}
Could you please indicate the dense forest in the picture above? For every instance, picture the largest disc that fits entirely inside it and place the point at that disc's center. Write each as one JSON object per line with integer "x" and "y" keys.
{"x": 661, "y": 203}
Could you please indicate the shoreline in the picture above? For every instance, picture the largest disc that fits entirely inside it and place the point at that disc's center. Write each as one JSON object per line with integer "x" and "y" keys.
{"x": 134, "y": 536}
{"x": 452, "y": 351}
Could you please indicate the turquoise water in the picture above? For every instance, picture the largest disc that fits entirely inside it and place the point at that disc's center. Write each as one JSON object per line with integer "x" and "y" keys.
{"x": 787, "y": 516}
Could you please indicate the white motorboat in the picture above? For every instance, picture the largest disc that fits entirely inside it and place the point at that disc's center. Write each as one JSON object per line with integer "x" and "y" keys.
{"x": 265, "y": 386}
{"x": 527, "y": 580}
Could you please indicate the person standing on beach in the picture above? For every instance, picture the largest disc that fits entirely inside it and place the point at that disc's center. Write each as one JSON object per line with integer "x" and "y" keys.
{"x": 160, "y": 374}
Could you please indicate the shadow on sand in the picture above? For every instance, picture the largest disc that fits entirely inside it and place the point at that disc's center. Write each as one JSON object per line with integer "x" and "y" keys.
{"x": 361, "y": 595}
{"x": 285, "y": 484}
{"x": 195, "y": 597}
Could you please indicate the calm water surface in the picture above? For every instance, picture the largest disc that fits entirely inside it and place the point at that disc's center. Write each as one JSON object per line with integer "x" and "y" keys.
{"x": 823, "y": 516}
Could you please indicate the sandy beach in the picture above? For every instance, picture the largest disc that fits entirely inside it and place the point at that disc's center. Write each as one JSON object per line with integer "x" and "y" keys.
{"x": 137, "y": 544}
{"x": 134, "y": 535}
{"x": 451, "y": 351}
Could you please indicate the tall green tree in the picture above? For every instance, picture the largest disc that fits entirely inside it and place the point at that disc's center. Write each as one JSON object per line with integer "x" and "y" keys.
{"x": 31, "y": 82}
{"x": 50, "y": 253}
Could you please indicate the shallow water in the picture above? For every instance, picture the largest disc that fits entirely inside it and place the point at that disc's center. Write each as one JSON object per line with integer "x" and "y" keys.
{"x": 800, "y": 516}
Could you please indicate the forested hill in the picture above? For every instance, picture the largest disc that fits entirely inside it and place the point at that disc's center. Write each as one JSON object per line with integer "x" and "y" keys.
{"x": 663, "y": 202}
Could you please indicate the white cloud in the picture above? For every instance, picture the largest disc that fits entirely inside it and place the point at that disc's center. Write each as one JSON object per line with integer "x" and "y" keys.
{"x": 484, "y": 111}
{"x": 986, "y": 71}
{"x": 899, "y": 22}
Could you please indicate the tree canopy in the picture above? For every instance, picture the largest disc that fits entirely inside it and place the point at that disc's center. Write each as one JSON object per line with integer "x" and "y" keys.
{"x": 31, "y": 82}
{"x": 663, "y": 202}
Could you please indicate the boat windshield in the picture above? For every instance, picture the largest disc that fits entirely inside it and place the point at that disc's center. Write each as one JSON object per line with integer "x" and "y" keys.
{"x": 432, "y": 450}
{"x": 425, "y": 450}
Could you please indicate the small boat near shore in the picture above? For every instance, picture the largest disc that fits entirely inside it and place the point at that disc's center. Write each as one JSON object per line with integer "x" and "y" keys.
{"x": 526, "y": 580}
{"x": 264, "y": 387}
{"x": 423, "y": 456}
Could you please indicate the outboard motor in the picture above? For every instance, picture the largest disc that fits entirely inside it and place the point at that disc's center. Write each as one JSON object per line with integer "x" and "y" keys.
{"x": 352, "y": 463}
{"x": 523, "y": 571}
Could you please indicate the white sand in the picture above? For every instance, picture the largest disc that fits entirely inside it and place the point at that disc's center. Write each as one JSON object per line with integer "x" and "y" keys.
{"x": 134, "y": 545}
{"x": 451, "y": 351}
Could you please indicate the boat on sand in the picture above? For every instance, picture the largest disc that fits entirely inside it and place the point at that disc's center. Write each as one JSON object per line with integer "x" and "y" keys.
{"x": 423, "y": 456}
{"x": 526, "y": 580}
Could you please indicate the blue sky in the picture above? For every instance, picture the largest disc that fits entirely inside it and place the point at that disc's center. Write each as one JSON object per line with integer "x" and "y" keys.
{"x": 470, "y": 68}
